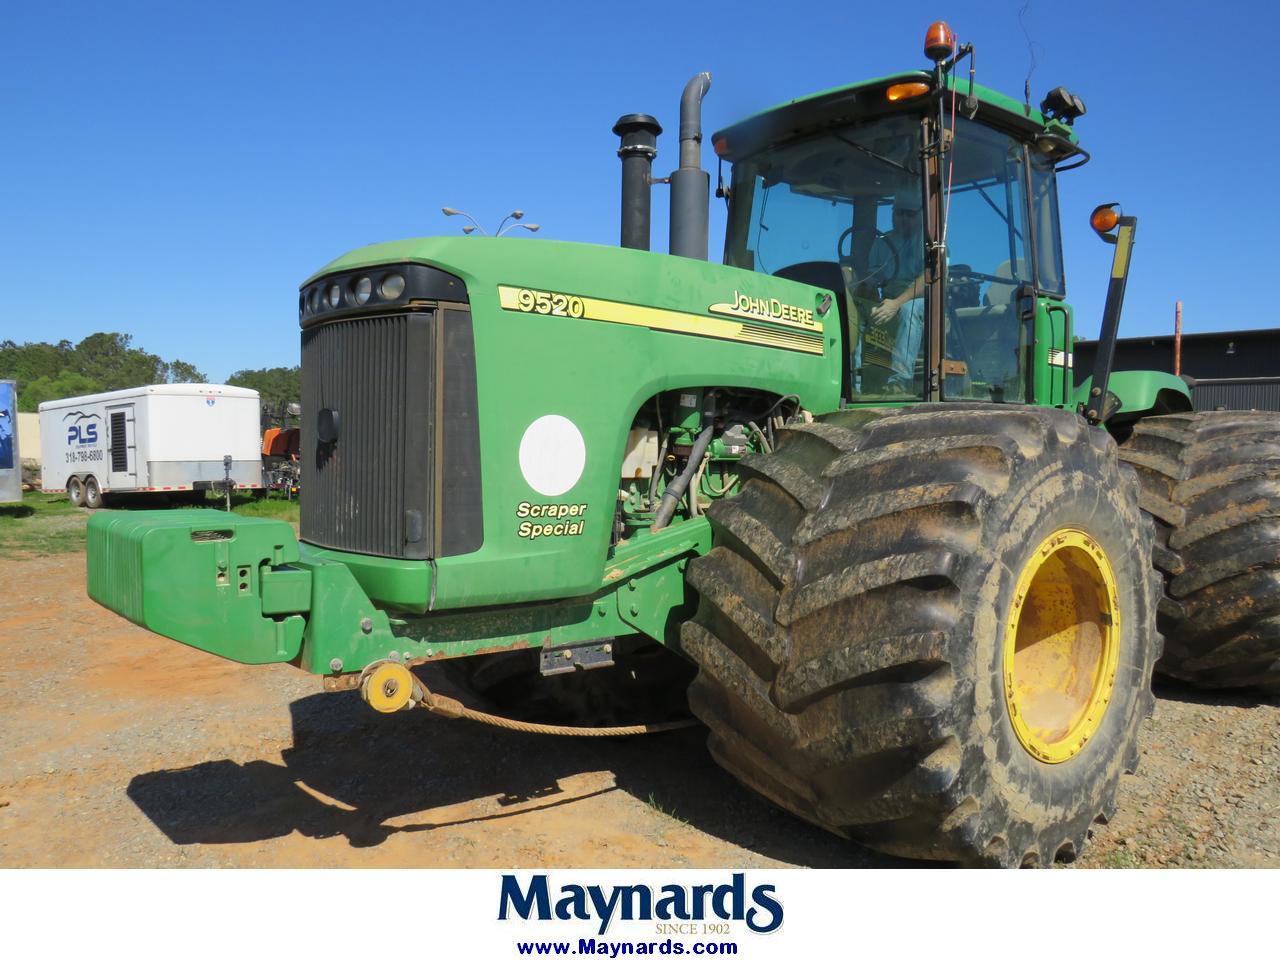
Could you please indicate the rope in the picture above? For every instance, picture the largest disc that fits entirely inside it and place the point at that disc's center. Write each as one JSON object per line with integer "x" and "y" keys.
{"x": 455, "y": 710}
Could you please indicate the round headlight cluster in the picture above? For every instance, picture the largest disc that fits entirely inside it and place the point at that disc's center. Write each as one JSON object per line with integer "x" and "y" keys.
{"x": 392, "y": 286}
{"x": 362, "y": 291}
{"x": 357, "y": 291}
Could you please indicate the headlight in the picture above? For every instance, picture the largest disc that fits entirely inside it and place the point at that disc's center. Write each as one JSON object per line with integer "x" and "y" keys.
{"x": 392, "y": 286}
{"x": 363, "y": 290}
{"x": 335, "y": 295}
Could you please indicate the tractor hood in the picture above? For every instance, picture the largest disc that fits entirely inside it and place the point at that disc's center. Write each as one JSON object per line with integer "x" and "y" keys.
{"x": 596, "y": 282}
{"x": 583, "y": 269}
{"x": 492, "y": 337}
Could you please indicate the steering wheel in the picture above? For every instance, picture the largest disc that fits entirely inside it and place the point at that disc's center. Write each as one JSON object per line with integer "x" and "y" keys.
{"x": 842, "y": 257}
{"x": 964, "y": 273}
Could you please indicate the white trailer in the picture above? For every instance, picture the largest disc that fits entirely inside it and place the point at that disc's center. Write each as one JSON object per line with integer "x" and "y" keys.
{"x": 165, "y": 438}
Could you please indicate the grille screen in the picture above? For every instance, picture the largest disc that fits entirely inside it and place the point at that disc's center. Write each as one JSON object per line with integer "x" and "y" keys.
{"x": 367, "y": 487}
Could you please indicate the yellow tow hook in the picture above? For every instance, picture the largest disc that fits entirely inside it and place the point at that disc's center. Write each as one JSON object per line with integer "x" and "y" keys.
{"x": 389, "y": 687}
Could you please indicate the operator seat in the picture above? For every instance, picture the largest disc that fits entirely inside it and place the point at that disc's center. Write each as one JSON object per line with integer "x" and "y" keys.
{"x": 992, "y": 331}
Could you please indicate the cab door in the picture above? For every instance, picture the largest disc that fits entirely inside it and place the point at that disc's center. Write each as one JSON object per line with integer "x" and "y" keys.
{"x": 990, "y": 308}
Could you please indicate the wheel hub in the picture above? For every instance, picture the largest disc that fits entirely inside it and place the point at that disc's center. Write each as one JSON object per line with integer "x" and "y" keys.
{"x": 1062, "y": 645}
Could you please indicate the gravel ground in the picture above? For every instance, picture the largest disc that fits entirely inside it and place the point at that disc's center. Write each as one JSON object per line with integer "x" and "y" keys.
{"x": 119, "y": 748}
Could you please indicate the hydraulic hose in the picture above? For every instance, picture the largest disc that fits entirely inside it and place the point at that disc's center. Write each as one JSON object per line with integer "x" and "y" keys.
{"x": 675, "y": 490}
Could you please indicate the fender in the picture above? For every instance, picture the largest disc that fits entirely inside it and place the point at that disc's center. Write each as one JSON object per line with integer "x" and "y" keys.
{"x": 1140, "y": 393}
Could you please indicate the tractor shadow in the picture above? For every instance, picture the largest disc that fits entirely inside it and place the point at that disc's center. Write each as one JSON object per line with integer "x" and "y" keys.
{"x": 351, "y": 771}
{"x": 1166, "y": 688}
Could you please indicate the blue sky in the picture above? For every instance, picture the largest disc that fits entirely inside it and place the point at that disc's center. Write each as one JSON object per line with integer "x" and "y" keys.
{"x": 174, "y": 170}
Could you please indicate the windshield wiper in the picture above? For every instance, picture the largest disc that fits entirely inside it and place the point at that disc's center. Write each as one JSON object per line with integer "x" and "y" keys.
{"x": 877, "y": 156}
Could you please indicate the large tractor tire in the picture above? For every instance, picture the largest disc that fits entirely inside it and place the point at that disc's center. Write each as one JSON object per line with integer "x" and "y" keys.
{"x": 931, "y": 630}
{"x": 1212, "y": 482}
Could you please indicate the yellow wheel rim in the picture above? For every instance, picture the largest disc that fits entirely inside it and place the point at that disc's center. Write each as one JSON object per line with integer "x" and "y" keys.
{"x": 1061, "y": 645}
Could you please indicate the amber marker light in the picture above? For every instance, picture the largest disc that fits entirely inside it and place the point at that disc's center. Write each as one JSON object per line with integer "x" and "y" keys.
{"x": 939, "y": 41}
{"x": 1104, "y": 218}
{"x": 905, "y": 91}
{"x": 721, "y": 146}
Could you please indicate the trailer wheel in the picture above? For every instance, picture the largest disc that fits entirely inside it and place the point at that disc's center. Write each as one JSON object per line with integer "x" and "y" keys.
{"x": 1212, "y": 482}
{"x": 93, "y": 498}
{"x": 75, "y": 491}
{"x": 931, "y": 630}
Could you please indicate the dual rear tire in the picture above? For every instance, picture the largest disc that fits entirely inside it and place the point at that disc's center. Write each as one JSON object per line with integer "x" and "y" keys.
{"x": 1211, "y": 480}
{"x": 931, "y": 630}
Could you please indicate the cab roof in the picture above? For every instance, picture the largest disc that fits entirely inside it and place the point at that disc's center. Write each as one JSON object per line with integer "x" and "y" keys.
{"x": 839, "y": 105}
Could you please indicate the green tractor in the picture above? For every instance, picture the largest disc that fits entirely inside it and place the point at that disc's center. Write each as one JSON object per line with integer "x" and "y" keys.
{"x": 840, "y": 495}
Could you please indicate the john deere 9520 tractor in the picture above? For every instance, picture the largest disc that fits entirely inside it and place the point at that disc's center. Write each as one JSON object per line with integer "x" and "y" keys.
{"x": 844, "y": 481}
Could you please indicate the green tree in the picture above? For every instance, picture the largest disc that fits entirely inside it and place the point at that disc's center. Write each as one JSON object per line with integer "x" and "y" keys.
{"x": 277, "y": 386}
{"x": 179, "y": 371}
{"x": 101, "y": 361}
{"x": 109, "y": 360}
{"x": 66, "y": 384}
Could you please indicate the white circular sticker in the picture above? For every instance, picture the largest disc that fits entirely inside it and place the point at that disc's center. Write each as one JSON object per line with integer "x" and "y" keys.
{"x": 552, "y": 455}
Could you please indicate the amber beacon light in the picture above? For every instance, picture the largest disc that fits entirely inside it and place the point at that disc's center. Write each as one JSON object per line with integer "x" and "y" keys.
{"x": 1104, "y": 218}
{"x": 939, "y": 41}
{"x": 905, "y": 91}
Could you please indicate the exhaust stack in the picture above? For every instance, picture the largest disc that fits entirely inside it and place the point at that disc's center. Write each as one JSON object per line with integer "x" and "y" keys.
{"x": 690, "y": 184}
{"x": 639, "y": 133}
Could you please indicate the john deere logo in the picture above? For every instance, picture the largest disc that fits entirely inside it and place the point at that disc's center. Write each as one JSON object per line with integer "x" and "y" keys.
{"x": 764, "y": 308}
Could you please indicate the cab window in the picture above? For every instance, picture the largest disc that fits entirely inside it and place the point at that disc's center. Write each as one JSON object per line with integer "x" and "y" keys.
{"x": 843, "y": 210}
{"x": 988, "y": 261}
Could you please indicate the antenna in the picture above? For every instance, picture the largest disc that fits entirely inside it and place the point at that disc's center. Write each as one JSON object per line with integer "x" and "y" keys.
{"x": 1031, "y": 53}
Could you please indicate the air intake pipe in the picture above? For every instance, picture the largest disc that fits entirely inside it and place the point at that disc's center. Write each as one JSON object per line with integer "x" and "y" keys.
{"x": 691, "y": 185}
{"x": 639, "y": 133}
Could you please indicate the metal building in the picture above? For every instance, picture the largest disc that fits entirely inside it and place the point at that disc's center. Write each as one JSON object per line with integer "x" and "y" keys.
{"x": 1227, "y": 370}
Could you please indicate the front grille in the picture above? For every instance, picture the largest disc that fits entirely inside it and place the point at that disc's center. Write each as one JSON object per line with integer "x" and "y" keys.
{"x": 369, "y": 487}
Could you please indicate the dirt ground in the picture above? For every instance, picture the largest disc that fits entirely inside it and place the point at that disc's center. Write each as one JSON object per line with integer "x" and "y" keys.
{"x": 119, "y": 748}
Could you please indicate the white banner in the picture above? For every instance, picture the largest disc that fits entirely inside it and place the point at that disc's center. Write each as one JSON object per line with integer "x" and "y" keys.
{"x": 613, "y": 913}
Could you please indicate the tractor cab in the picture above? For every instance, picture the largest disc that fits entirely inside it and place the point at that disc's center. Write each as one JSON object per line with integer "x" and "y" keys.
{"x": 928, "y": 206}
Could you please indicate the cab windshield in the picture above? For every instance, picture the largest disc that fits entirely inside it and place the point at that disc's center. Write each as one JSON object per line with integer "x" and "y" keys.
{"x": 842, "y": 210}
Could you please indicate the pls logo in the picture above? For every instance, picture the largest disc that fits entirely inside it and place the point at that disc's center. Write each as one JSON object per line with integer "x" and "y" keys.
{"x": 82, "y": 433}
{"x": 759, "y": 908}
{"x": 82, "y": 430}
